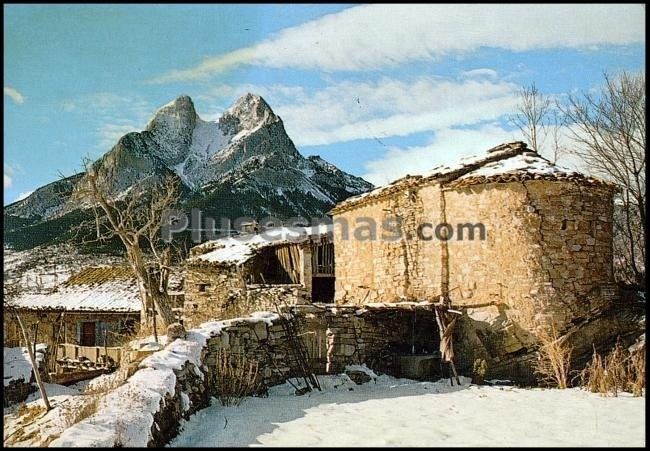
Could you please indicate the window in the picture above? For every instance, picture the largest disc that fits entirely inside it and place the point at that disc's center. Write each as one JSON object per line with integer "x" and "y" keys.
{"x": 323, "y": 259}
{"x": 203, "y": 287}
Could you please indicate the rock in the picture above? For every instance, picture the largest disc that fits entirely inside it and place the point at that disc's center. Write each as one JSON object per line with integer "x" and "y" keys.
{"x": 174, "y": 331}
{"x": 358, "y": 377}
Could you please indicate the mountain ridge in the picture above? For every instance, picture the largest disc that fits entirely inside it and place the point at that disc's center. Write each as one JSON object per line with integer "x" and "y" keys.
{"x": 242, "y": 163}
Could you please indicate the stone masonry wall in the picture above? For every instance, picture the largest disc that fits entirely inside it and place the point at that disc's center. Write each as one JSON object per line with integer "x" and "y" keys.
{"x": 225, "y": 295}
{"x": 373, "y": 336}
{"x": 546, "y": 257}
{"x": 184, "y": 374}
{"x": 546, "y": 260}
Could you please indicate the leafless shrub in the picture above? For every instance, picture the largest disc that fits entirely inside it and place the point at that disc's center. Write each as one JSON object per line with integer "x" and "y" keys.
{"x": 619, "y": 371}
{"x": 479, "y": 371}
{"x": 105, "y": 384}
{"x": 29, "y": 411}
{"x": 236, "y": 376}
{"x": 554, "y": 359}
{"x": 636, "y": 368}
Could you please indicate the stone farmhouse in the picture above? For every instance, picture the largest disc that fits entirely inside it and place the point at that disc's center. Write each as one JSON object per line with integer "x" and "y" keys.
{"x": 540, "y": 255}
{"x": 79, "y": 311}
{"x": 514, "y": 244}
{"x": 233, "y": 276}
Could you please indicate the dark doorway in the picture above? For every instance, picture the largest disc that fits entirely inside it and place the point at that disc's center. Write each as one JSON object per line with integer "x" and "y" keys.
{"x": 88, "y": 334}
{"x": 322, "y": 289}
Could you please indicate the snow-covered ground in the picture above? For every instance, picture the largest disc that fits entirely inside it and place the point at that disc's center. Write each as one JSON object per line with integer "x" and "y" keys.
{"x": 40, "y": 428}
{"x": 17, "y": 364}
{"x": 402, "y": 412}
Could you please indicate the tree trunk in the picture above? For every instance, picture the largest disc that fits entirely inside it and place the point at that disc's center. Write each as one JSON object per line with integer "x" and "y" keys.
{"x": 32, "y": 358}
{"x": 150, "y": 294}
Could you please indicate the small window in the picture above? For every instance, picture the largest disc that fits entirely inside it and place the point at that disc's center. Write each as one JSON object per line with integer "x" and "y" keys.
{"x": 203, "y": 287}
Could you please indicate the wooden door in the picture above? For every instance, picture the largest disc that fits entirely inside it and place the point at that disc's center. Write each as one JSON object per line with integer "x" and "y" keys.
{"x": 88, "y": 334}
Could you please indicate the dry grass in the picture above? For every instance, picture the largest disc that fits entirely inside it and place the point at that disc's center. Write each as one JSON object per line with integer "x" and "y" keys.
{"x": 236, "y": 376}
{"x": 29, "y": 411}
{"x": 479, "y": 371}
{"x": 554, "y": 359}
{"x": 104, "y": 384}
{"x": 616, "y": 372}
{"x": 77, "y": 413}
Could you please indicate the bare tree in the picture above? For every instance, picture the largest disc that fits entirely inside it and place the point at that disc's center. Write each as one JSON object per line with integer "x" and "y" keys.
{"x": 608, "y": 128}
{"x": 532, "y": 116}
{"x": 135, "y": 218}
{"x": 10, "y": 292}
{"x": 557, "y": 123}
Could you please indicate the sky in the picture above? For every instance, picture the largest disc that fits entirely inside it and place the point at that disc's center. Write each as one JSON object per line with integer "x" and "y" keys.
{"x": 381, "y": 91}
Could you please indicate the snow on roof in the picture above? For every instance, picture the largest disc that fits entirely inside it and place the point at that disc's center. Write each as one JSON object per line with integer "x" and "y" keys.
{"x": 104, "y": 288}
{"x": 526, "y": 162}
{"x": 511, "y": 159}
{"x": 238, "y": 250}
{"x": 17, "y": 365}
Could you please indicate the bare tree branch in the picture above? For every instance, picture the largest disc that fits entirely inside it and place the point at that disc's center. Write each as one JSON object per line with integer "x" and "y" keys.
{"x": 608, "y": 130}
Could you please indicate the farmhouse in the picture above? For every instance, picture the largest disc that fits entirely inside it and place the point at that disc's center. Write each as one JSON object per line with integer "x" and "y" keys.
{"x": 96, "y": 303}
{"x": 545, "y": 257}
{"x": 511, "y": 244}
{"x": 233, "y": 276}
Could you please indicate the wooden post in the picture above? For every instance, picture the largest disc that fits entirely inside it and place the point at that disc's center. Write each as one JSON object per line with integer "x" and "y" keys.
{"x": 35, "y": 335}
{"x": 48, "y": 407}
{"x": 155, "y": 328}
{"x": 105, "y": 348}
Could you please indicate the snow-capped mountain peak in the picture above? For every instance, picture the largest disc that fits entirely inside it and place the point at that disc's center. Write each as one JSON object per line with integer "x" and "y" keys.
{"x": 243, "y": 164}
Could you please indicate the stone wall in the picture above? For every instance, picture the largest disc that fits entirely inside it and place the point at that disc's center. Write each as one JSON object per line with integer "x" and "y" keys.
{"x": 191, "y": 393}
{"x": 171, "y": 384}
{"x": 334, "y": 337}
{"x": 225, "y": 295}
{"x": 546, "y": 257}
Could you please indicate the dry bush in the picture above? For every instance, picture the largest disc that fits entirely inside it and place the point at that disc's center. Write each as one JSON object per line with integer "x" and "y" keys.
{"x": 74, "y": 413}
{"x": 554, "y": 359}
{"x": 636, "y": 369}
{"x": 106, "y": 383}
{"x": 479, "y": 371}
{"x": 619, "y": 371}
{"x": 29, "y": 411}
{"x": 235, "y": 377}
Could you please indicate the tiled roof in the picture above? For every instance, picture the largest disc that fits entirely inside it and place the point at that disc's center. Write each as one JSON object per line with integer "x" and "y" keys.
{"x": 93, "y": 289}
{"x": 501, "y": 164}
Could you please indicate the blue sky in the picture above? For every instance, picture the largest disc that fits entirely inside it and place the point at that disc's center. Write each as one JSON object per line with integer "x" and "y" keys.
{"x": 378, "y": 90}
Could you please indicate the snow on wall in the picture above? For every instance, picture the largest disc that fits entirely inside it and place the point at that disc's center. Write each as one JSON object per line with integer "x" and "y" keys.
{"x": 126, "y": 415}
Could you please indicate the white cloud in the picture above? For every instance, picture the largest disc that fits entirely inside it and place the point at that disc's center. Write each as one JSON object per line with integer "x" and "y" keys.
{"x": 373, "y": 110}
{"x": 448, "y": 146}
{"x": 375, "y": 36}
{"x": 116, "y": 114}
{"x": 8, "y": 181}
{"x": 14, "y": 95}
{"x": 481, "y": 73}
{"x": 23, "y": 195}
{"x": 108, "y": 104}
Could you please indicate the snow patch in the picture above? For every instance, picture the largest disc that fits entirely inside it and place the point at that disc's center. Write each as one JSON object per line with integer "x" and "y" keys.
{"x": 17, "y": 364}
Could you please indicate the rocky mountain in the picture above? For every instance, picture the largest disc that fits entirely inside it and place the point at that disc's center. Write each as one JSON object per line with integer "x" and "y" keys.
{"x": 243, "y": 164}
